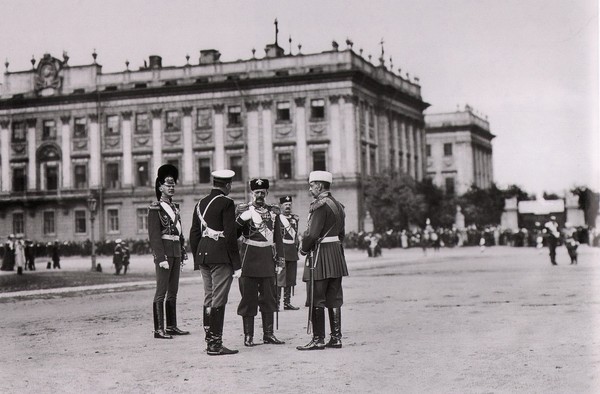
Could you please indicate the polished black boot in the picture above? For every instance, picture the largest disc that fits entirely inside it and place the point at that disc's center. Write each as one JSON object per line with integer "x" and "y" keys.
{"x": 287, "y": 296}
{"x": 278, "y": 298}
{"x": 335, "y": 323}
{"x": 206, "y": 322}
{"x": 268, "y": 336}
{"x": 171, "y": 306}
{"x": 248, "y": 322}
{"x": 159, "y": 321}
{"x": 215, "y": 345}
{"x": 318, "y": 323}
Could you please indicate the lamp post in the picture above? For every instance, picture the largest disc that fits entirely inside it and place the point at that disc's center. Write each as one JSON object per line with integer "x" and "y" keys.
{"x": 92, "y": 206}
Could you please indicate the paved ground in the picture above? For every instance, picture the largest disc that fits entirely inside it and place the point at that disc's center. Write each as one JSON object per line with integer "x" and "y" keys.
{"x": 459, "y": 321}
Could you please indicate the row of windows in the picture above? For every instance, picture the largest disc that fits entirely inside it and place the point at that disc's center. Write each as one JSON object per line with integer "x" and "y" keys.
{"x": 49, "y": 130}
{"x": 81, "y": 222}
{"x": 447, "y": 149}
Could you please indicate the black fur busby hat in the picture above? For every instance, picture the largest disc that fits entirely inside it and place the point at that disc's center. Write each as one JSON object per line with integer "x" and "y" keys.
{"x": 167, "y": 173}
{"x": 259, "y": 184}
{"x": 284, "y": 199}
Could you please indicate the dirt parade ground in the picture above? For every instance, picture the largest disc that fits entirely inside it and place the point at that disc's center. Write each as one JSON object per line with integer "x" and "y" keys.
{"x": 456, "y": 321}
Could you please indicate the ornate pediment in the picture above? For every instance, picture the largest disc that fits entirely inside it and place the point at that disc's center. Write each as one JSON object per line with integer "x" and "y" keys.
{"x": 47, "y": 81}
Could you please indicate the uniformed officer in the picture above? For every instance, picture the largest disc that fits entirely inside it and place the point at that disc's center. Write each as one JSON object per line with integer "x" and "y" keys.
{"x": 262, "y": 259}
{"x": 286, "y": 279}
{"x": 167, "y": 244}
{"x": 323, "y": 240}
{"x": 118, "y": 256}
{"x": 553, "y": 234}
{"x": 213, "y": 239}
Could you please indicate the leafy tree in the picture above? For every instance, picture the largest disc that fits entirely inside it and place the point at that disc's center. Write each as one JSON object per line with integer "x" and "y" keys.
{"x": 551, "y": 196}
{"x": 588, "y": 202}
{"x": 483, "y": 206}
{"x": 440, "y": 208}
{"x": 516, "y": 191}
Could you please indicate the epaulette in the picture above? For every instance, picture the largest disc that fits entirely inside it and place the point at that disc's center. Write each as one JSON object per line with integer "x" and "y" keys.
{"x": 316, "y": 204}
{"x": 155, "y": 206}
{"x": 241, "y": 207}
{"x": 276, "y": 209}
{"x": 294, "y": 216}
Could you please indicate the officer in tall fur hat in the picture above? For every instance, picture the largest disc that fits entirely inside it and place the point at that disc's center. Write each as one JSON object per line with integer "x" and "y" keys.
{"x": 167, "y": 243}
{"x": 286, "y": 279}
{"x": 323, "y": 241}
{"x": 262, "y": 259}
{"x": 213, "y": 239}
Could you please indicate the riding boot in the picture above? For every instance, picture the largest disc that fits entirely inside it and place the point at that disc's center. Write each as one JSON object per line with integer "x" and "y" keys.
{"x": 278, "y": 295}
{"x": 171, "y": 306}
{"x": 268, "y": 336}
{"x": 206, "y": 322}
{"x": 248, "y": 322}
{"x": 215, "y": 345}
{"x": 335, "y": 323}
{"x": 287, "y": 296}
{"x": 318, "y": 322}
{"x": 159, "y": 321}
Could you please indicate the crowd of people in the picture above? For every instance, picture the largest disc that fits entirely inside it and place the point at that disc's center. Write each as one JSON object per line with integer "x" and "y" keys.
{"x": 20, "y": 254}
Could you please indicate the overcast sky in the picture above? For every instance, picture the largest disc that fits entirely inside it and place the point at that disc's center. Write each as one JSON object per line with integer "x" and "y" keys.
{"x": 530, "y": 66}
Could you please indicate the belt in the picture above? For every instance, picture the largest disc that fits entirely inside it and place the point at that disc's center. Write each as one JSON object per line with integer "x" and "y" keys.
{"x": 289, "y": 241}
{"x": 210, "y": 233}
{"x": 170, "y": 237}
{"x": 260, "y": 244}
{"x": 333, "y": 238}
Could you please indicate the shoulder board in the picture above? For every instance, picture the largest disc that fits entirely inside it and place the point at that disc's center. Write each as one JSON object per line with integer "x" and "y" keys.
{"x": 242, "y": 206}
{"x": 295, "y": 217}
{"x": 317, "y": 204}
{"x": 155, "y": 205}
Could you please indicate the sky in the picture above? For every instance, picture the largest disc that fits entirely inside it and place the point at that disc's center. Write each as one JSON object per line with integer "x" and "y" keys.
{"x": 530, "y": 66}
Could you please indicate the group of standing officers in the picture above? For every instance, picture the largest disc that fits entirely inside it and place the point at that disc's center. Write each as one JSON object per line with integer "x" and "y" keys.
{"x": 264, "y": 264}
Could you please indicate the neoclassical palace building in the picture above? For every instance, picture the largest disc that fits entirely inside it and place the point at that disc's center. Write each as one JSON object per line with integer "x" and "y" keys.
{"x": 71, "y": 131}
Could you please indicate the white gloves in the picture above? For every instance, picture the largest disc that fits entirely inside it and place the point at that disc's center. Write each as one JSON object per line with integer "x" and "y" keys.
{"x": 246, "y": 215}
{"x": 237, "y": 273}
{"x": 164, "y": 264}
{"x": 278, "y": 270}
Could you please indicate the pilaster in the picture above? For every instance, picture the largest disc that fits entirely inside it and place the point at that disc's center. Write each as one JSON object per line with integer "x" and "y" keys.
{"x": 5, "y": 180}
{"x": 31, "y": 165}
{"x": 95, "y": 157}
{"x": 156, "y": 140}
{"x": 127, "y": 148}
{"x": 301, "y": 148}
{"x": 65, "y": 139}
{"x": 253, "y": 139}
{"x": 188, "y": 153}
{"x": 335, "y": 146}
{"x": 219, "y": 137}
{"x": 267, "y": 143}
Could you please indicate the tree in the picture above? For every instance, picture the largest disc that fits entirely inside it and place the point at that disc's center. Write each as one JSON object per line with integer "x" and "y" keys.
{"x": 483, "y": 207}
{"x": 588, "y": 202}
{"x": 516, "y": 191}
{"x": 551, "y": 196}
{"x": 440, "y": 208}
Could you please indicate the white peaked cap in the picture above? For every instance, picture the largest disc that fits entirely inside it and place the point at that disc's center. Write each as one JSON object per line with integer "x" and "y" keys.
{"x": 223, "y": 174}
{"x": 321, "y": 176}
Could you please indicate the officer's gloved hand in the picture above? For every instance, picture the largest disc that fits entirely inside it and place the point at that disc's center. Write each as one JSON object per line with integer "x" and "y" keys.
{"x": 303, "y": 253}
{"x": 237, "y": 273}
{"x": 182, "y": 265}
{"x": 278, "y": 269}
{"x": 164, "y": 264}
{"x": 246, "y": 215}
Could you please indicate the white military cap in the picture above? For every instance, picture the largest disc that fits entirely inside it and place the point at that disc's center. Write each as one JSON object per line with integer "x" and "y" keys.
{"x": 320, "y": 176}
{"x": 223, "y": 175}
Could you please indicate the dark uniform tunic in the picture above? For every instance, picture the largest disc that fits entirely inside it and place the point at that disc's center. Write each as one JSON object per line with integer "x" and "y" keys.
{"x": 167, "y": 244}
{"x": 118, "y": 258}
{"x": 289, "y": 228}
{"x": 214, "y": 245}
{"x": 324, "y": 238}
{"x": 262, "y": 247}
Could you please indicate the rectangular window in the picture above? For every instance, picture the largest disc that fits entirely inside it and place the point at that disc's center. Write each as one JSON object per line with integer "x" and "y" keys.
{"x": 112, "y": 125}
{"x": 80, "y": 176}
{"x": 18, "y": 223}
{"x": 428, "y": 150}
{"x": 142, "y": 178}
{"x": 51, "y": 178}
{"x": 204, "y": 170}
{"x": 283, "y": 111}
{"x": 80, "y": 221}
{"x": 49, "y": 130}
{"x": 236, "y": 164}
{"x": 373, "y": 158}
{"x": 448, "y": 149}
{"x": 112, "y": 220}
{"x": 80, "y": 130}
{"x": 18, "y": 132}
{"x": 142, "y": 220}
{"x": 49, "y": 224}
{"x": 142, "y": 123}
{"x": 449, "y": 186}
{"x": 19, "y": 181}
{"x": 234, "y": 115}
{"x": 317, "y": 109}
{"x": 371, "y": 116}
{"x": 204, "y": 118}
{"x": 173, "y": 121}
{"x": 319, "y": 160}
{"x": 284, "y": 164}
{"x": 112, "y": 176}
{"x": 363, "y": 160}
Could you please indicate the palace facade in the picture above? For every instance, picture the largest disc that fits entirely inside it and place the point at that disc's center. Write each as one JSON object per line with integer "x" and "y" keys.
{"x": 71, "y": 131}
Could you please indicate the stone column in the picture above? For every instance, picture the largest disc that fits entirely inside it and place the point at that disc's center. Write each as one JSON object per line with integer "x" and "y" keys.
{"x": 350, "y": 137}
{"x": 396, "y": 142}
{"x": 95, "y": 153}
{"x": 156, "y": 140}
{"x": 219, "y": 137}
{"x": 5, "y": 181}
{"x": 31, "y": 164}
{"x": 188, "y": 151}
{"x": 411, "y": 148}
{"x": 384, "y": 149}
{"x": 301, "y": 147}
{"x": 419, "y": 152}
{"x": 65, "y": 146}
{"x": 405, "y": 148}
{"x": 335, "y": 145}
{"x": 267, "y": 143}
{"x": 253, "y": 140}
{"x": 127, "y": 150}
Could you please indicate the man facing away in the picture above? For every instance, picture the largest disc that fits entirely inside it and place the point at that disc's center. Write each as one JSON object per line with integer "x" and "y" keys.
{"x": 323, "y": 239}
{"x": 286, "y": 279}
{"x": 213, "y": 242}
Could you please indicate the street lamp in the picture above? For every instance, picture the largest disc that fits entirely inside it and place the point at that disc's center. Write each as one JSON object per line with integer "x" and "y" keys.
{"x": 92, "y": 206}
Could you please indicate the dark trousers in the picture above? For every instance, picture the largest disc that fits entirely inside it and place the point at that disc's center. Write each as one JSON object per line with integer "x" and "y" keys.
{"x": 287, "y": 277}
{"x": 167, "y": 281}
{"x": 257, "y": 292}
{"x": 217, "y": 282}
{"x": 328, "y": 293}
{"x": 552, "y": 246}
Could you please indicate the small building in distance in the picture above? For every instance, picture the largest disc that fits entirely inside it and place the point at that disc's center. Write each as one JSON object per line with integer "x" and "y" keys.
{"x": 459, "y": 150}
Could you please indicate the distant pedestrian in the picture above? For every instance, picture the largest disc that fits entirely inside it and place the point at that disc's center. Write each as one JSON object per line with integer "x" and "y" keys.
{"x": 571, "y": 241}
{"x": 20, "y": 254}
{"x": 8, "y": 262}
{"x": 118, "y": 257}
{"x": 126, "y": 257}
{"x": 30, "y": 255}
{"x": 553, "y": 234}
{"x": 56, "y": 255}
